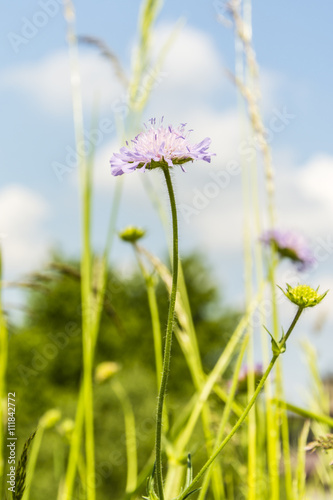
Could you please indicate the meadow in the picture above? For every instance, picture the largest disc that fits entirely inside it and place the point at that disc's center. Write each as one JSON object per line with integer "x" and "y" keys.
{"x": 149, "y": 383}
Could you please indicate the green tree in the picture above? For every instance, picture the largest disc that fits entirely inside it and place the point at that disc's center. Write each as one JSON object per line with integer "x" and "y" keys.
{"x": 46, "y": 364}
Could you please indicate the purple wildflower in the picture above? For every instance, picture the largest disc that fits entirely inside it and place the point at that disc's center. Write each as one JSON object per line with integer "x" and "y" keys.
{"x": 291, "y": 245}
{"x": 159, "y": 147}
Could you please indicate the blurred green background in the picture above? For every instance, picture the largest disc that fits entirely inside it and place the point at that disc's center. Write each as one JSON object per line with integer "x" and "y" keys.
{"x": 45, "y": 366}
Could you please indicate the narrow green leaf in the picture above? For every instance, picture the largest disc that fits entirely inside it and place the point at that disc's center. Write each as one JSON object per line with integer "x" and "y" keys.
{"x": 189, "y": 471}
{"x": 275, "y": 346}
{"x": 21, "y": 472}
{"x": 191, "y": 493}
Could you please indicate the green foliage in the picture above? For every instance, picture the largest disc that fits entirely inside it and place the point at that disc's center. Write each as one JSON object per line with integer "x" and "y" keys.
{"x": 46, "y": 366}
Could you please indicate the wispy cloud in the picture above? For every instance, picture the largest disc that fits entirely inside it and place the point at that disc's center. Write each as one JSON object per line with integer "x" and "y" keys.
{"x": 23, "y": 237}
{"x": 47, "y": 81}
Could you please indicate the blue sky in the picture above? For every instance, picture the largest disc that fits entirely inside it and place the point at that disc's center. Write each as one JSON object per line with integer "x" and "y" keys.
{"x": 293, "y": 48}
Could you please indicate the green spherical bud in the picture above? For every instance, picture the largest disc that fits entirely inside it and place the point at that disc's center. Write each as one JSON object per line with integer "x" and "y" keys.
{"x": 106, "y": 370}
{"x": 132, "y": 234}
{"x": 304, "y": 295}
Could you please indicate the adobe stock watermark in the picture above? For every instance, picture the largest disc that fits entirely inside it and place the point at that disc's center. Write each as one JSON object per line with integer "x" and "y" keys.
{"x": 30, "y": 28}
{"x": 202, "y": 197}
{"x": 92, "y": 139}
{"x": 220, "y": 179}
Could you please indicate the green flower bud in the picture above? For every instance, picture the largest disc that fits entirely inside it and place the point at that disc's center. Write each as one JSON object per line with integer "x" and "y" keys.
{"x": 106, "y": 370}
{"x": 66, "y": 427}
{"x": 50, "y": 418}
{"x": 322, "y": 442}
{"x": 304, "y": 295}
{"x": 132, "y": 234}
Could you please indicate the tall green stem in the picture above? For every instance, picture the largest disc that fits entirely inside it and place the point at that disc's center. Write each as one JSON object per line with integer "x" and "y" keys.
{"x": 192, "y": 355}
{"x": 168, "y": 339}
{"x": 155, "y": 319}
{"x": 245, "y": 412}
{"x": 66, "y": 490}
{"x": 85, "y": 187}
{"x": 156, "y": 325}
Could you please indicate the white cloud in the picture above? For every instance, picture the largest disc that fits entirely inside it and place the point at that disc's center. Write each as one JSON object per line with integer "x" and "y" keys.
{"x": 103, "y": 179}
{"x": 270, "y": 85}
{"x": 136, "y": 202}
{"x": 22, "y": 213}
{"x": 316, "y": 180}
{"x": 222, "y": 128}
{"x": 47, "y": 81}
{"x": 304, "y": 195}
{"x": 192, "y": 65}
{"x": 192, "y": 62}
{"x": 192, "y": 75}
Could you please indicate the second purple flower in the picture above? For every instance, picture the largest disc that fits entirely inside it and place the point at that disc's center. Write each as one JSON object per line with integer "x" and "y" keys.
{"x": 291, "y": 245}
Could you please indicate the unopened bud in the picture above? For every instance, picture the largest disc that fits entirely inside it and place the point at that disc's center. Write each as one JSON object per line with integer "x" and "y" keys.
{"x": 50, "y": 418}
{"x": 132, "y": 234}
{"x": 304, "y": 295}
{"x": 106, "y": 370}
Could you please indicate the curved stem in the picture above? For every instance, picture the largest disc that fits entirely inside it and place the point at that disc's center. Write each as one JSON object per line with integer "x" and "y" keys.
{"x": 245, "y": 412}
{"x": 168, "y": 339}
{"x": 226, "y": 411}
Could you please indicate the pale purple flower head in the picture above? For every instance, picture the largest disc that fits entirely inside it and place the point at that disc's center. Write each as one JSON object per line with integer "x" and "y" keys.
{"x": 291, "y": 245}
{"x": 159, "y": 147}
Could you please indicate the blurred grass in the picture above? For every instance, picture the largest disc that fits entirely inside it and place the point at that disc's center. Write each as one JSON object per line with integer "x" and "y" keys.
{"x": 55, "y": 321}
{"x": 85, "y": 311}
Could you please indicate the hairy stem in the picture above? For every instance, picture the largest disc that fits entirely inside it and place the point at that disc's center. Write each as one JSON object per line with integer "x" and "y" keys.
{"x": 245, "y": 412}
{"x": 168, "y": 339}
